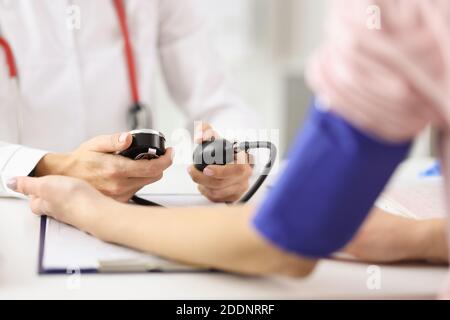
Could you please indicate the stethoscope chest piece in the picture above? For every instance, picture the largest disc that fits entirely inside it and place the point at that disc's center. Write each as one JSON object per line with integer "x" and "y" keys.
{"x": 139, "y": 117}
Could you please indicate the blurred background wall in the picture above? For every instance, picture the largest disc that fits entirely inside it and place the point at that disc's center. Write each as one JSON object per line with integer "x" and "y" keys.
{"x": 265, "y": 44}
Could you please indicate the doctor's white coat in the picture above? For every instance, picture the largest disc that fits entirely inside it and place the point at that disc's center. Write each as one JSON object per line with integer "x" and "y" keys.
{"x": 74, "y": 82}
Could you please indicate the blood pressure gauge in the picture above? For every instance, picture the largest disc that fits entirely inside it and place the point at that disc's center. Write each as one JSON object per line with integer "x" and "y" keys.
{"x": 147, "y": 144}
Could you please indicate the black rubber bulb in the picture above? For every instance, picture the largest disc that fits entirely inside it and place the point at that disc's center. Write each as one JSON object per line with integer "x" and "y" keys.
{"x": 214, "y": 152}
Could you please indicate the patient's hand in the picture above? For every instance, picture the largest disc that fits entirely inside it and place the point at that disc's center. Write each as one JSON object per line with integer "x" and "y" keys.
{"x": 386, "y": 238}
{"x": 68, "y": 200}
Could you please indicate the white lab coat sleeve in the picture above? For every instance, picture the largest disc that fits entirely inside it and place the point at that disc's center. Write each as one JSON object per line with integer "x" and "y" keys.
{"x": 15, "y": 161}
{"x": 193, "y": 71}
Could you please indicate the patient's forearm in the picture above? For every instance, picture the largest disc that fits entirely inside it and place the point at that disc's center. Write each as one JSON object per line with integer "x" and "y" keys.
{"x": 435, "y": 231}
{"x": 385, "y": 237}
{"x": 219, "y": 238}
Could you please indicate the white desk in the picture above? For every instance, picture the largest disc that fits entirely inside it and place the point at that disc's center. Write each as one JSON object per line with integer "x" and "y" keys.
{"x": 19, "y": 231}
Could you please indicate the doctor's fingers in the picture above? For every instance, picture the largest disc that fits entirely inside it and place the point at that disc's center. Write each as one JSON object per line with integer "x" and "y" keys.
{"x": 229, "y": 194}
{"x": 236, "y": 174}
{"x": 217, "y": 175}
{"x": 238, "y": 170}
{"x": 204, "y": 132}
{"x": 108, "y": 143}
{"x": 121, "y": 167}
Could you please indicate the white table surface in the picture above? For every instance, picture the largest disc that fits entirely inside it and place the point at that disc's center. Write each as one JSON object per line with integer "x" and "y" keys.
{"x": 19, "y": 233}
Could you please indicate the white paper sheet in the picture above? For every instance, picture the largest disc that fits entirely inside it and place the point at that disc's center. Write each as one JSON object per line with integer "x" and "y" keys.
{"x": 67, "y": 248}
{"x": 419, "y": 199}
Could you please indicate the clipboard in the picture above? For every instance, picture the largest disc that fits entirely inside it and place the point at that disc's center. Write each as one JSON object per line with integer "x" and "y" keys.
{"x": 66, "y": 250}
{"x": 43, "y": 270}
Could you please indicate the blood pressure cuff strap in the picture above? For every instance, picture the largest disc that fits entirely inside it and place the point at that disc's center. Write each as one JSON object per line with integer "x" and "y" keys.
{"x": 334, "y": 175}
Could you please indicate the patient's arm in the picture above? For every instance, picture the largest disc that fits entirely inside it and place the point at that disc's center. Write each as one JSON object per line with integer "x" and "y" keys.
{"x": 386, "y": 238}
{"x": 219, "y": 237}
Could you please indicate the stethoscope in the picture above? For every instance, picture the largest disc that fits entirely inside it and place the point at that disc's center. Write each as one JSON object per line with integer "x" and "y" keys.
{"x": 138, "y": 114}
{"x": 13, "y": 75}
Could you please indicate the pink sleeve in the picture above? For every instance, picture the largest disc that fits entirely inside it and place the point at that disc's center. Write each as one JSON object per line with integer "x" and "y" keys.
{"x": 385, "y": 65}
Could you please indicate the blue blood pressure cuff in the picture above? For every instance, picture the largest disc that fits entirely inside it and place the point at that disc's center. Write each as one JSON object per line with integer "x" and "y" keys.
{"x": 334, "y": 175}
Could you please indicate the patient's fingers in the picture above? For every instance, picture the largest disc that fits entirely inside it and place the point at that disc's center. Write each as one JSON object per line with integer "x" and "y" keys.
{"x": 48, "y": 187}
{"x": 37, "y": 205}
{"x": 29, "y": 186}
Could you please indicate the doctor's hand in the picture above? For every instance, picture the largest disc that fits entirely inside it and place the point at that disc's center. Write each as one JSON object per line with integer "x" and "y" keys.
{"x": 218, "y": 183}
{"x": 95, "y": 162}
